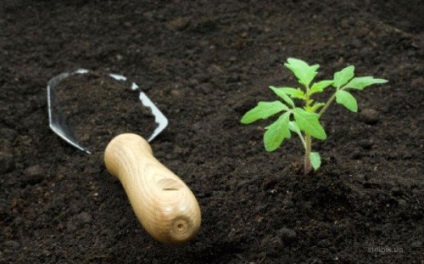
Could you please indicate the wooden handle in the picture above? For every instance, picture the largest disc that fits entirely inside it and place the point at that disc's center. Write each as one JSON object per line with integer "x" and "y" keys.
{"x": 163, "y": 203}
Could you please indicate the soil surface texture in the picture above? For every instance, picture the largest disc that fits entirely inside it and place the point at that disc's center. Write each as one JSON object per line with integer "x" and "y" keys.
{"x": 204, "y": 64}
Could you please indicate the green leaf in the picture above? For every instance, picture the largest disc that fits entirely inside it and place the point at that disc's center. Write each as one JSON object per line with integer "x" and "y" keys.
{"x": 294, "y": 127}
{"x": 277, "y": 132}
{"x": 296, "y": 93}
{"x": 314, "y": 107}
{"x": 262, "y": 111}
{"x": 359, "y": 83}
{"x": 320, "y": 86}
{"x": 347, "y": 100}
{"x": 309, "y": 122}
{"x": 282, "y": 94}
{"x": 303, "y": 71}
{"x": 315, "y": 159}
{"x": 343, "y": 76}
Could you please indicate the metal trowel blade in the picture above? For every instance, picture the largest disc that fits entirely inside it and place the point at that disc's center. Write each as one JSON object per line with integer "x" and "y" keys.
{"x": 58, "y": 120}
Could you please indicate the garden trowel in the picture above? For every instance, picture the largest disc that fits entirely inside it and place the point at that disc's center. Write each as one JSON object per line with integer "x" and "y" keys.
{"x": 163, "y": 203}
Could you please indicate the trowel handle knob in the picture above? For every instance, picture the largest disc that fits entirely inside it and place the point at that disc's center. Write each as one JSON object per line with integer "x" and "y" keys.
{"x": 163, "y": 203}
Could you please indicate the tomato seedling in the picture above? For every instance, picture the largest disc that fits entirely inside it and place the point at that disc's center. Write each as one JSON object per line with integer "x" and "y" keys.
{"x": 304, "y": 120}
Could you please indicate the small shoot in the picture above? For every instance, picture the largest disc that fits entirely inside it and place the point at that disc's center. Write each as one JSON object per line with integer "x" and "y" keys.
{"x": 304, "y": 119}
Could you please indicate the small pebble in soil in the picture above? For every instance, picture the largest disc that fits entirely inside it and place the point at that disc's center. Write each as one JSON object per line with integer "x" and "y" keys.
{"x": 417, "y": 244}
{"x": 78, "y": 220}
{"x": 178, "y": 23}
{"x": 205, "y": 88}
{"x": 287, "y": 203}
{"x": 176, "y": 92}
{"x": 84, "y": 218}
{"x": 356, "y": 43}
{"x": 272, "y": 244}
{"x": 232, "y": 78}
{"x": 324, "y": 243}
{"x": 287, "y": 234}
{"x": 11, "y": 244}
{"x": 33, "y": 175}
{"x": 366, "y": 144}
{"x": 396, "y": 191}
{"x": 369, "y": 116}
{"x": 402, "y": 202}
{"x": 359, "y": 177}
{"x": 356, "y": 154}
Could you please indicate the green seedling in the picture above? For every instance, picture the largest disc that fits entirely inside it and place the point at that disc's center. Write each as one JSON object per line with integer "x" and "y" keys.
{"x": 304, "y": 121}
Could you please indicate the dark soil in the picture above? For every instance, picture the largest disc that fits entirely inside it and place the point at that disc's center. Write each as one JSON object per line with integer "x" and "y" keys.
{"x": 205, "y": 63}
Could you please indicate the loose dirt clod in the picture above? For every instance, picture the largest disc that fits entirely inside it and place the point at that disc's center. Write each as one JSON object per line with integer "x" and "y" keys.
{"x": 369, "y": 116}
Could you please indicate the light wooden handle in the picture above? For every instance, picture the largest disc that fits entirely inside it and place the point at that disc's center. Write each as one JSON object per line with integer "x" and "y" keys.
{"x": 163, "y": 203}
